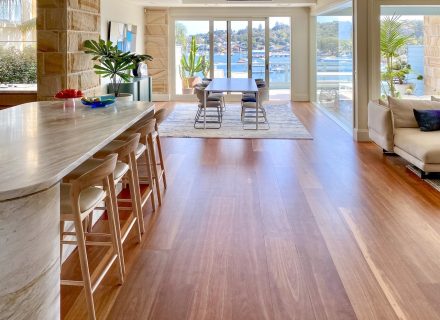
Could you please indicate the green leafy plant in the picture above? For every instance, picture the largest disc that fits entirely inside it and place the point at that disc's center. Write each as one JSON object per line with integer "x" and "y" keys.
{"x": 392, "y": 42}
{"x": 192, "y": 63}
{"x": 114, "y": 63}
{"x": 205, "y": 67}
{"x": 138, "y": 58}
{"x": 18, "y": 66}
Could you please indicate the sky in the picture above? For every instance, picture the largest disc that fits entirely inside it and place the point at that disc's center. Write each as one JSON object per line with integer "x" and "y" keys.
{"x": 195, "y": 27}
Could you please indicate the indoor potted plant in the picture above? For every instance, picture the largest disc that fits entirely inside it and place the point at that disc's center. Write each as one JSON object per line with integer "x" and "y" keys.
{"x": 114, "y": 64}
{"x": 140, "y": 68}
{"x": 190, "y": 65}
{"x": 402, "y": 84}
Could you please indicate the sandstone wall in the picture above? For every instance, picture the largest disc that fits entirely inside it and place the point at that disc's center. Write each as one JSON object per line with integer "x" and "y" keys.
{"x": 156, "y": 45}
{"x": 62, "y": 28}
{"x": 432, "y": 55}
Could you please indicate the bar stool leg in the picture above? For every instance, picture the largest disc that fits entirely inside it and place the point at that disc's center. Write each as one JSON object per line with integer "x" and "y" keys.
{"x": 61, "y": 242}
{"x": 117, "y": 222}
{"x": 137, "y": 192}
{"x": 84, "y": 267}
{"x": 162, "y": 165}
{"x": 134, "y": 198}
{"x": 113, "y": 230}
{"x": 150, "y": 177}
{"x": 153, "y": 164}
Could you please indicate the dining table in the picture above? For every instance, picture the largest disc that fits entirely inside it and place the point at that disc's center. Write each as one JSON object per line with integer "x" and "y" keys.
{"x": 41, "y": 142}
{"x": 221, "y": 85}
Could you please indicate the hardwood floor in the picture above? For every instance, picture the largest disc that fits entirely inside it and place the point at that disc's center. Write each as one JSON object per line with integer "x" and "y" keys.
{"x": 280, "y": 229}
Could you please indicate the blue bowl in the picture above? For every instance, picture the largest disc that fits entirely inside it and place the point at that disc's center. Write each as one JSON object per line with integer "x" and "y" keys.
{"x": 99, "y": 104}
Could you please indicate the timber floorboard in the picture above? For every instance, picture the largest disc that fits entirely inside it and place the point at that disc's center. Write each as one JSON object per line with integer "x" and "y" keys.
{"x": 278, "y": 229}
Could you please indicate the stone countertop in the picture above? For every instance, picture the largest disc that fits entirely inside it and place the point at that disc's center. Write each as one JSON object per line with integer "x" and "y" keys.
{"x": 18, "y": 88}
{"x": 43, "y": 141}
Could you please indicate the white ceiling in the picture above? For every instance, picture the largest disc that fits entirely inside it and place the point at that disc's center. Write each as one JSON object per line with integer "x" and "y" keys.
{"x": 225, "y": 3}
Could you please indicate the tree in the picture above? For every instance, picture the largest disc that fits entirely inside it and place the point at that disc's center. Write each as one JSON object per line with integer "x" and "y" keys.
{"x": 392, "y": 42}
{"x": 181, "y": 35}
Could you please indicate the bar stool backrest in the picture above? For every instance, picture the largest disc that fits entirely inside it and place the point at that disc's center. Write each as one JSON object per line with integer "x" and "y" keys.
{"x": 145, "y": 126}
{"x": 128, "y": 147}
{"x": 160, "y": 115}
{"x": 96, "y": 176}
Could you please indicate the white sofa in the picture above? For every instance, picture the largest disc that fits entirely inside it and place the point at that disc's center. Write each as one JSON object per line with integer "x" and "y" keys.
{"x": 394, "y": 128}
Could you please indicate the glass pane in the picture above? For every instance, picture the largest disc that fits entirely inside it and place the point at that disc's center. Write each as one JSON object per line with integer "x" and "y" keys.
{"x": 239, "y": 49}
{"x": 258, "y": 50}
{"x": 411, "y": 70}
{"x": 18, "y": 54}
{"x": 279, "y": 57}
{"x": 220, "y": 49}
{"x": 335, "y": 66}
{"x": 189, "y": 72}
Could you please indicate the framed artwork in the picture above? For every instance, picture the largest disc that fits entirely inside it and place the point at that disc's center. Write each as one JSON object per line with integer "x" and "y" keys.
{"x": 123, "y": 34}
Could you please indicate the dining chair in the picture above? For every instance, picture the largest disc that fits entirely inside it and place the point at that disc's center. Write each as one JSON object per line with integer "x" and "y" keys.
{"x": 212, "y": 111}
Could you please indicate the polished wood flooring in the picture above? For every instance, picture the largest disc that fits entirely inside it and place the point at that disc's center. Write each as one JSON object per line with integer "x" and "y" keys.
{"x": 280, "y": 229}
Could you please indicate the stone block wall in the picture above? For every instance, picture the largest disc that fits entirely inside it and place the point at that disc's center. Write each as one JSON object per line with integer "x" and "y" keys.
{"x": 62, "y": 28}
{"x": 156, "y": 45}
{"x": 432, "y": 55}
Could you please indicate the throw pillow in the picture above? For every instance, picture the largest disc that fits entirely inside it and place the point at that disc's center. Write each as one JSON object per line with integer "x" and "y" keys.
{"x": 428, "y": 120}
{"x": 403, "y": 114}
{"x": 435, "y": 99}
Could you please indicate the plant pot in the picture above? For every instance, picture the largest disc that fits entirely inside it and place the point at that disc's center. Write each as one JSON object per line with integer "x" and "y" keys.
{"x": 187, "y": 90}
{"x": 141, "y": 70}
{"x": 405, "y": 89}
{"x": 191, "y": 82}
{"x": 124, "y": 97}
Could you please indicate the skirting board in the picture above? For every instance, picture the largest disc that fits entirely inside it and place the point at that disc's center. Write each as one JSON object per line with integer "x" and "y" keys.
{"x": 361, "y": 135}
{"x": 157, "y": 97}
{"x": 300, "y": 97}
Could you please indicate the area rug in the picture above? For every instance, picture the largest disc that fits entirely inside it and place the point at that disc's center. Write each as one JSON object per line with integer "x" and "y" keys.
{"x": 283, "y": 124}
{"x": 433, "y": 181}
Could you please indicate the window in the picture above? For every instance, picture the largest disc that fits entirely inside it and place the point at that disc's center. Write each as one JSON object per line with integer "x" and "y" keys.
{"x": 258, "y": 48}
{"x": 334, "y": 65}
{"x": 18, "y": 56}
{"x": 191, "y": 70}
{"x": 410, "y": 70}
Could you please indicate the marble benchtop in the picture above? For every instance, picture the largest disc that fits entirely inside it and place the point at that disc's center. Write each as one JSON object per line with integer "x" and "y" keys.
{"x": 43, "y": 141}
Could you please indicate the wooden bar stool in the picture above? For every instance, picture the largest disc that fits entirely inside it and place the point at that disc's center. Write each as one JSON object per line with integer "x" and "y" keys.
{"x": 144, "y": 127}
{"x": 125, "y": 168}
{"x": 127, "y": 151}
{"x": 79, "y": 198}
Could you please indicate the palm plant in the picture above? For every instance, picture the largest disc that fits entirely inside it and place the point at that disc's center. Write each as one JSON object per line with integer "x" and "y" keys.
{"x": 392, "y": 41}
{"x": 114, "y": 63}
{"x": 193, "y": 63}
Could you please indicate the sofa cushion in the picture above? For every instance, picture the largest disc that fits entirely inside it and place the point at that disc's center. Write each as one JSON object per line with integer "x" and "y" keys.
{"x": 403, "y": 114}
{"x": 424, "y": 146}
{"x": 428, "y": 120}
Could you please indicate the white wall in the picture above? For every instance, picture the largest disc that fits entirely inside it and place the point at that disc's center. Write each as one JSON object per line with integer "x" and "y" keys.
{"x": 123, "y": 11}
{"x": 300, "y": 38}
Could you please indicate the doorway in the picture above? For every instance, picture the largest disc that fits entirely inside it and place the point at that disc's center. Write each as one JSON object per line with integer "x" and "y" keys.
{"x": 238, "y": 48}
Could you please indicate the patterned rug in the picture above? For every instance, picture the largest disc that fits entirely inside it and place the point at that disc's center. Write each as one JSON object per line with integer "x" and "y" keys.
{"x": 433, "y": 181}
{"x": 283, "y": 125}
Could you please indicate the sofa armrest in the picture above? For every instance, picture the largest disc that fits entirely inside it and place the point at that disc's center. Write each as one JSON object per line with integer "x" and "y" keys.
{"x": 380, "y": 125}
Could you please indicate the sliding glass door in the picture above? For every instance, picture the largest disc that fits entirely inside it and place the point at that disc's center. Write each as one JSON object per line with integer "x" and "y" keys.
{"x": 259, "y": 56}
{"x": 237, "y": 48}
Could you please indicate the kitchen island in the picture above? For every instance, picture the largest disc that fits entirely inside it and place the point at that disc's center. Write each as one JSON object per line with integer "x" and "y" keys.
{"x": 41, "y": 142}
